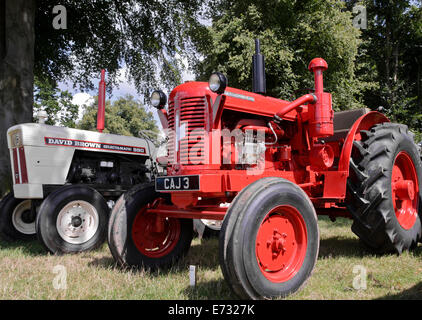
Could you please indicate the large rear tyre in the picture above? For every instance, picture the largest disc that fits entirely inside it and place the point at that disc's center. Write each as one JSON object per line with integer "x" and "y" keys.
{"x": 72, "y": 219}
{"x": 139, "y": 239}
{"x": 384, "y": 189}
{"x": 17, "y": 219}
{"x": 269, "y": 240}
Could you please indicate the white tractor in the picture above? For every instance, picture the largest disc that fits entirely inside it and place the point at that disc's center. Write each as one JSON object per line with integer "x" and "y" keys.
{"x": 65, "y": 181}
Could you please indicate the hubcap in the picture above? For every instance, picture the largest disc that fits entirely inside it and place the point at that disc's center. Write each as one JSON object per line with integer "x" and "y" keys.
{"x": 281, "y": 243}
{"x": 77, "y": 222}
{"x": 23, "y": 219}
{"x": 405, "y": 190}
{"x": 155, "y": 236}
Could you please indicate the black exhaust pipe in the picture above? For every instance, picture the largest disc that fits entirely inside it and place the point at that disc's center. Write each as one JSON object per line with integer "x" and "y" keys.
{"x": 258, "y": 70}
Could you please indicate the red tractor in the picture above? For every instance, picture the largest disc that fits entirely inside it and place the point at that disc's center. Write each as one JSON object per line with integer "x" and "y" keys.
{"x": 278, "y": 164}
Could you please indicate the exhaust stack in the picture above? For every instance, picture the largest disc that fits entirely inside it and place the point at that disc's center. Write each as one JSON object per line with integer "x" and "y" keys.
{"x": 101, "y": 103}
{"x": 258, "y": 70}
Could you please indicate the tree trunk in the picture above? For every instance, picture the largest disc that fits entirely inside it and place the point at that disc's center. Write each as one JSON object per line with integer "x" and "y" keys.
{"x": 16, "y": 74}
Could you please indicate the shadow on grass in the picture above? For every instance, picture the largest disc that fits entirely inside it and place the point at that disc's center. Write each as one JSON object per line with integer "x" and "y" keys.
{"x": 413, "y": 293}
{"x": 215, "y": 289}
{"x": 204, "y": 254}
{"x": 339, "y": 222}
{"x": 342, "y": 247}
{"x": 31, "y": 248}
{"x": 348, "y": 247}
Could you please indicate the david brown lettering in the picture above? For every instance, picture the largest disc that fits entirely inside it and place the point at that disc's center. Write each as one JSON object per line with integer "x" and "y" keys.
{"x": 59, "y": 142}
{"x": 87, "y": 144}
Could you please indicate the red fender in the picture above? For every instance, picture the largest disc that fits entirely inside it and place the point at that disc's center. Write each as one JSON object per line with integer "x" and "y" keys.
{"x": 365, "y": 122}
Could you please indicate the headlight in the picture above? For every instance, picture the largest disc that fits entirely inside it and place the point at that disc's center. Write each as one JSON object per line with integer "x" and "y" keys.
{"x": 217, "y": 82}
{"x": 158, "y": 99}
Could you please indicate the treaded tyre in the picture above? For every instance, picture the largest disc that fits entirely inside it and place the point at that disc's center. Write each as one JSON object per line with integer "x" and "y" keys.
{"x": 133, "y": 237}
{"x": 17, "y": 219}
{"x": 72, "y": 219}
{"x": 269, "y": 240}
{"x": 384, "y": 193}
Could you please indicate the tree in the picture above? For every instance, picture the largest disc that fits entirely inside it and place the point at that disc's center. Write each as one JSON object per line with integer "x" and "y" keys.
{"x": 292, "y": 33}
{"x": 393, "y": 45}
{"x": 124, "y": 116}
{"x": 56, "y": 103}
{"x": 87, "y": 35}
{"x": 16, "y": 74}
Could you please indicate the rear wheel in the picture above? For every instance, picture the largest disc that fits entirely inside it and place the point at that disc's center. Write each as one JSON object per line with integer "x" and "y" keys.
{"x": 72, "y": 219}
{"x": 17, "y": 219}
{"x": 140, "y": 239}
{"x": 269, "y": 240}
{"x": 384, "y": 188}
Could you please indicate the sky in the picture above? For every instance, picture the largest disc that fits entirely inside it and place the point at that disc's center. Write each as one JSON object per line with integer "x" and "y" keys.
{"x": 125, "y": 87}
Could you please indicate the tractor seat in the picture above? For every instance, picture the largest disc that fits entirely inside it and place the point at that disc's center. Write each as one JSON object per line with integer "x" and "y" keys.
{"x": 343, "y": 121}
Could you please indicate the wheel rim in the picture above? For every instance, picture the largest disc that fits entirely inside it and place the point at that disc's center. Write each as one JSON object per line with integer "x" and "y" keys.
{"x": 77, "y": 222}
{"x": 153, "y": 241}
{"x": 405, "y": 190}
{"x": 23, "y": 219}
{"x": 281, "y": 243}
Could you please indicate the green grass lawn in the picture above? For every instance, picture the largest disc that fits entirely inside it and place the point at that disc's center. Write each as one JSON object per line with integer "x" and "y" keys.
{"x": 27, "y": 272}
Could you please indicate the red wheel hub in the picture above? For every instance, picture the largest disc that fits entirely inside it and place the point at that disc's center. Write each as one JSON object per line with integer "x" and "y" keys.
{"x": 281, "y": 243}
{"x": 155, "y": 236}
{"x": 405, "y": 188}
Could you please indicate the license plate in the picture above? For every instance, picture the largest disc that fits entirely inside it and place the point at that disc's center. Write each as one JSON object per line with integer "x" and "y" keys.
{"x": 177, "y": 183}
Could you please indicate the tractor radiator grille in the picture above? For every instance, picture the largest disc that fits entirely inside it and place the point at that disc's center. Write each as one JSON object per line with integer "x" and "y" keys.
{"x": 187, "y": 123}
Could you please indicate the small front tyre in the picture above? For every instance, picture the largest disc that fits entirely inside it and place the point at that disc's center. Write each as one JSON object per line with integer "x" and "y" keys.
{"x": 72, "y": 219}
{"x": 269, "y": 240}
{"x": 17, "y": 219}
{"x": 139, "y": 239}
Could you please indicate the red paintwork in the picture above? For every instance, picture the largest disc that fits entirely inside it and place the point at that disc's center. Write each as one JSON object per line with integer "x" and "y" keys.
{"x": 153, "y": 236}
{"x": 20, "y": 171}
{"x": 365, "y": 122}
{"x": 16, "y": 166}
{"x": 404, "y": 189}
{"x": 200, "y": 119}
{"x": 281, "y": 244}
{"x": 101, "y": 103}
{"x": 22, "y": 160}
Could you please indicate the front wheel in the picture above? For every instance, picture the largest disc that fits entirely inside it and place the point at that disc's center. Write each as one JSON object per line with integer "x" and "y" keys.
{"x": 17, "y": 219}
{"x": 269, "y": 240}
{"x": 138, "y": 239}
{"x": 72, "y": 219}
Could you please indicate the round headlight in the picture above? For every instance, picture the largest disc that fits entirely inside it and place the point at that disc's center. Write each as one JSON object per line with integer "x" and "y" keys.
{"x": 158, "y": 99}
{"x": 217, "y": 82}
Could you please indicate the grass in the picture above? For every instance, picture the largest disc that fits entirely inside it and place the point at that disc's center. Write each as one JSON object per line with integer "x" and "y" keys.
{"x": 27, "y": 272}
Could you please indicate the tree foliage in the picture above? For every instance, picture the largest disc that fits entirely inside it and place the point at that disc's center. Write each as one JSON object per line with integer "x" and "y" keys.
{"x": 146, "y": 36}
{"x": 124, "y": 116}
{"x": 292, "y": 33}
{"x": 373, "y": 67}
{"x": 393, "y": 46}
{"x": 56, "y": 103}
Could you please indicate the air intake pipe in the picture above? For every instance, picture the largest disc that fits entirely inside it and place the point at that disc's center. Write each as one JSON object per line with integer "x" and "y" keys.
{"x": 321, "y": 113}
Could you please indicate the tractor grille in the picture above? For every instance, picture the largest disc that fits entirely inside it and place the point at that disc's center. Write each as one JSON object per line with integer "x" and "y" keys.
{"x": 189, "y": 113}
